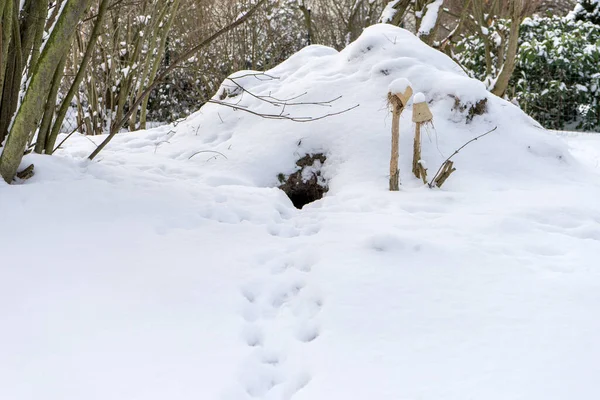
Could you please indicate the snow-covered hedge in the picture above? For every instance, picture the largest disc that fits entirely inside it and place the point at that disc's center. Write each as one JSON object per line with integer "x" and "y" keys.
{"x": 557, "y": 74}
{"x": 587, "y": 10}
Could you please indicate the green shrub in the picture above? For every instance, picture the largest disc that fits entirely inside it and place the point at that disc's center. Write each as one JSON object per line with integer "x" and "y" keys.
{"x": 587, "y": 10}
{"x": 557, "y": 74}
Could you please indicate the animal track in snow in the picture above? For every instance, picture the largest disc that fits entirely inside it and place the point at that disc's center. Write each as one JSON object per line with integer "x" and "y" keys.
{"x": 283, "y": 294}
{"x": 264, "y": 378}
{"x": 279, "y": 309}
{"x": 270, "y": 357}
{"x": 307, "y": 332}
{"x": 253, "y": 336}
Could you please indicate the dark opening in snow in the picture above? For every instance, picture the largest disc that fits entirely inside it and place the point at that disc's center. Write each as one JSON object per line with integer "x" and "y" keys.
{"x": 306, "y": 184}
{"x": 479, "y": 108}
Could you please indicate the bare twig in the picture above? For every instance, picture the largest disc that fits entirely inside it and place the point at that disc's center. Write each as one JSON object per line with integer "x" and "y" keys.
{"x": 257, "y": 75}
{"x": 159, "y": 143}
{"x": 280, "y": 115}
{"x": 94, "y": 143}
{"x": 207, "y": 151}
{"x": 69, "y": 135}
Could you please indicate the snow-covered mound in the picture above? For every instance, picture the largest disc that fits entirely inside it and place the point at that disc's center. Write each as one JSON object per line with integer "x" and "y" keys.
{"x": 171, "y": 267}
{"x": 357, "y": 142}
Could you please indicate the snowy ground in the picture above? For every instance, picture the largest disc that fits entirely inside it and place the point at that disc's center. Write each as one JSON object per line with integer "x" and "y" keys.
{"x": 150, "y": 275}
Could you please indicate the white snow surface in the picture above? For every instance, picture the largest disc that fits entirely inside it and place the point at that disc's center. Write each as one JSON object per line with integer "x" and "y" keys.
{"x": 419, "y": 98}
{"x": 163, "y": 270}
{"x": 399, "y": 86}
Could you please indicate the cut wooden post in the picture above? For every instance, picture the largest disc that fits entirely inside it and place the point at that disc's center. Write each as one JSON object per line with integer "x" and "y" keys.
{"x": 400, "y": 92}
{"x": 421, "y": 115}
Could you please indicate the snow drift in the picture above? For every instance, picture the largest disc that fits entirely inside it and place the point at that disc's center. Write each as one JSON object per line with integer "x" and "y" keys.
{"x": 357, "y": 142}
{"x": 172, "y": 267}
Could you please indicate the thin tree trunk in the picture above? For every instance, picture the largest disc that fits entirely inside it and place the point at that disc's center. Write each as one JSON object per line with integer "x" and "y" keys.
{"x": 12, "y": 82}
{"x": 50, "y": 106}
{"x": 32, "y": 28}
{"x": 511, "y": 54}
{"x": 64, "y": 107}
{"x": 400, "y": 11}
{"x": 42, "y": 13}
{"x": 430, "y": 35}
{"x": 480, "y": 18}
{"x": 306, "y": 13}
{"x": 29, "y": 113}
{"x": 157, "y": 60}
{"x": 464, "y": 14}
{"x": 6, "y": 33}
{"x": 151, "y": 57}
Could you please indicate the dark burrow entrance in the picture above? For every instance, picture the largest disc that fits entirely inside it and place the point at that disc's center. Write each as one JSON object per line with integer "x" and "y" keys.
{"x": 306, "y": 184}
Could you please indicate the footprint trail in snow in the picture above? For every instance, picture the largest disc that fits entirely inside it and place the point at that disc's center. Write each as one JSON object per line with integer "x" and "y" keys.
{"x": 280, "y": 311}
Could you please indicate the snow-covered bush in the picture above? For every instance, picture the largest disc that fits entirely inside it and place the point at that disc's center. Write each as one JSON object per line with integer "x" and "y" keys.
{"x": 557, "y": 78}
{"x": 587, "y": 10}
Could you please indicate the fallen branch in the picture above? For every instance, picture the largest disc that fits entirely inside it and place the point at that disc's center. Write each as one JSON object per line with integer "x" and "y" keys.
{"x": 447, "y": 167}
{"x": 26, "y": 173}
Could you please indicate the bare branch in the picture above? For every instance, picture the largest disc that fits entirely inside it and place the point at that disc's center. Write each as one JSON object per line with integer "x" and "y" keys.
{"x": 281, "y": 115}
{"x": 445, "y": 163}
{"x": 183, "y": 57}
{"x": 207, "y": 151}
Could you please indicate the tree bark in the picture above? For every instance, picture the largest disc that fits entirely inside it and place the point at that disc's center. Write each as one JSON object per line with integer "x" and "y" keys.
{"x": 50, "y": 106}
{"x": 511, "y": 54}
{"x": 480, "y": 18}
{"x": 32, "y": 28}
{"x": 12, "y": 79}
{"x": 29, "y": 113}
{"x": 6, "y": 32}
{"x": 306, "y": 13}
{"x": 41, "y": 11}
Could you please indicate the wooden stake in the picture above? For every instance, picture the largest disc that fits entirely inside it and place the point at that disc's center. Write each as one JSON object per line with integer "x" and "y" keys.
{"x": 417, "y": 151}
{"x": 394, "y": 170}
{"x": 397, "y": 100}
{"x": 421, "y": 115}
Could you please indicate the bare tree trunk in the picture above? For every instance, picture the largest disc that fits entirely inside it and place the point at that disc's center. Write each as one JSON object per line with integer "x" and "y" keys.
{"x": 29, "y": 113}
{"x": 6, "y": 10}
{"x": 429, "y": 33}
{"x": 478, "y": 6}
{"x": 64, "y": 107}
{"x": 32, "y": 28}
{"x": 12, "y": 79}
{"x": 306, "y": 13}
{"x": 157, "y": 60}
{"x": 400, "y": 9}
{"x": 50, "y": 106}
{"x": 511, "y": 54}
{"x": 464, "y": 14}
